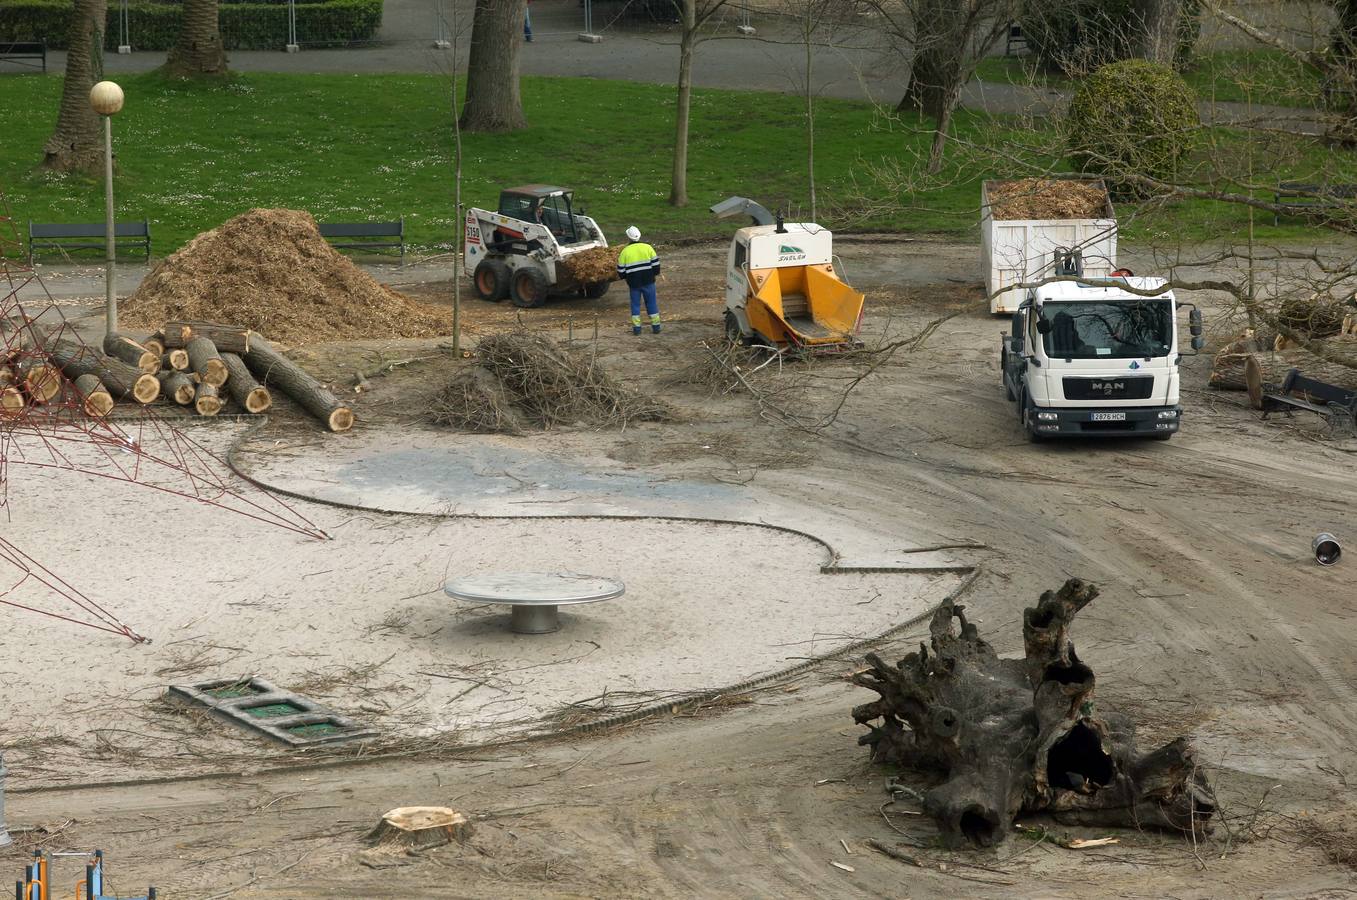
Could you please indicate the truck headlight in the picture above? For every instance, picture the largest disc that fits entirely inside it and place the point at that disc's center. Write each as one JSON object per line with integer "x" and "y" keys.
{"x": 1168, "y": 414}
{"x": 1048, "y": 416}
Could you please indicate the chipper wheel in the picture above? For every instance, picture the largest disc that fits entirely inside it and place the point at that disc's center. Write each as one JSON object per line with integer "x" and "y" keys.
{"x": 491, "y": 280}
{"x": 733, "y": 333}
{"x": 528, "y": 288}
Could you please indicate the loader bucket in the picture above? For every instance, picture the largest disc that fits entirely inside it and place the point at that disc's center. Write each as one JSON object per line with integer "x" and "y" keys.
{"x": 805, "y": 306}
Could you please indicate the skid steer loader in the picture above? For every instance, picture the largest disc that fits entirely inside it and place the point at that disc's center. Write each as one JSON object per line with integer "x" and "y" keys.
{"x": 782, "y": 290}
{"x": 518, "y": 251}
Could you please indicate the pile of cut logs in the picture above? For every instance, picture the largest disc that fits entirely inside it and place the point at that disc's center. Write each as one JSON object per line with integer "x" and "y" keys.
{"x": 196, "y": 364}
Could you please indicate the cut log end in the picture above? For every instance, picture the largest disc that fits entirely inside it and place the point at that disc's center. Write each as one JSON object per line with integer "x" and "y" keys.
{"x": 1253, "y": 381}
{"x": 206, "y": 401}
{"x": 11, "y": 402}
{"x": 177, "y": 359}
{"x": 214, "y": 372}
{"x": 154, "y": 344}
{"x": 259, "y": 400}
{"x": 98, "y": 402}
{"x": 420, "y": 826}
{"x": 341, "y": 419}
{"x": 146, "y": 389}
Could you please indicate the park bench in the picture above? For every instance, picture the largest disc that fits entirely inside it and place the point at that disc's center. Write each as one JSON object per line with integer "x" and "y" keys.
{"x": 81, "y": 236}
{"x": 1298, "y": 392}
{"x": 1299, "y": 195}
{"x": 31, "y": 54}
{"x": 365, "y": 235}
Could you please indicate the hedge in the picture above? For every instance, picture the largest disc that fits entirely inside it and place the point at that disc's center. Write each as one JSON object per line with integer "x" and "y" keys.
{"x": 1135, "y": 117}
{"x": 244, "y": 26}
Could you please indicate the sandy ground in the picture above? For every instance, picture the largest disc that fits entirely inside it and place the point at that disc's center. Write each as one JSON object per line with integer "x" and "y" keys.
{"x": 1213, "y": 622}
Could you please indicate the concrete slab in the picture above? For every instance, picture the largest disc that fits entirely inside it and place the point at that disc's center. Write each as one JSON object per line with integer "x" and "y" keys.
{"x": 360, "y": 623}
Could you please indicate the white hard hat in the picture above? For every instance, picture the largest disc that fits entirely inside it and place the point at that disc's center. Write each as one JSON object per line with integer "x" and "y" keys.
{"x": 633, "y": 233}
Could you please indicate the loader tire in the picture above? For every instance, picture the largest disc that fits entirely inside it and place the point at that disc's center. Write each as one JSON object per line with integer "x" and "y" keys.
{"x": 596, "y": 290}
{"x": 491, "y": 280}
{"x": 528, "y": 288}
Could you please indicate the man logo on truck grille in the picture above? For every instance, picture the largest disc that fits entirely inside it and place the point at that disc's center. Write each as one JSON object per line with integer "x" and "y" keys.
{"x": 1108, "y": 387}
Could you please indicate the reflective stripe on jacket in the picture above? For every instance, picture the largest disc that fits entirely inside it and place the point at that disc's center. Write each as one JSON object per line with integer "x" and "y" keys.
{"x": 638, "y": 263}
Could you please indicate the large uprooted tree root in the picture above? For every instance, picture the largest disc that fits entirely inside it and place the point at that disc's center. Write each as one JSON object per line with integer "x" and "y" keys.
{"x": 1019, "y": 736}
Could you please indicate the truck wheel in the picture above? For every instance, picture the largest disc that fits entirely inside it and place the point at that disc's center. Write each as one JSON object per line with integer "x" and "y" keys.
{"x": 596, "y": 290}
{"x": 491, "y": 280}
{"x": 528, "y": 288}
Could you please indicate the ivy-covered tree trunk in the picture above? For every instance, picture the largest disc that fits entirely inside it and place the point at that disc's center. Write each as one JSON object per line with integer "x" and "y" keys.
{"x": 492, "y": 97}
{"x": 198, "y": 50}
{"x": 76, "y": 145}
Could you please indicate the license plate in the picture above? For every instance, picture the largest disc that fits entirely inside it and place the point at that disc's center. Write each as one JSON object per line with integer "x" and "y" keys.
{"x": 1108, "y": 417}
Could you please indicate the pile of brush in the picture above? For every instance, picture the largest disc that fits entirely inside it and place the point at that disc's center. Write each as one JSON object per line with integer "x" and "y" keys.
{"x": 534, "y": 382}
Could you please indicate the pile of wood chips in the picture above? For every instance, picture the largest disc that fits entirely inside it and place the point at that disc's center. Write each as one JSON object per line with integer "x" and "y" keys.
{"x": 270, "y": 270}
{"x": 592, "y": 266}
{"x": 1042, "y": 198}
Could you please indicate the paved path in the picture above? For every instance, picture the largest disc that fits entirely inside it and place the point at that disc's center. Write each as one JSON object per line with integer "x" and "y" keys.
{"x": 859, "y": 65}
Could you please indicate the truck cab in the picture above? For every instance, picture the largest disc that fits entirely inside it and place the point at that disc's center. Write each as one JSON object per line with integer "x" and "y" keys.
{"x": 1085, "y": 361}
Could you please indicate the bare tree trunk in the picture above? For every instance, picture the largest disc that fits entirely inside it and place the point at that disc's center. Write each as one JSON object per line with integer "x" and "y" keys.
{"x": 77, "y": 144}
{"x": 198, "y": 49}
{"x": 1159, "y": 29}
{"x": 678, "y": 191}
{"x": 810, "y": 125}
{"x": 492, "y": 97}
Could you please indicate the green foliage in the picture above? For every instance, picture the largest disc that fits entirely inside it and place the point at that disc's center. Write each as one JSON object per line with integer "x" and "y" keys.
{"x": 1132, "y": 117}
{"x": 244, "y": 26}
{"x": 1077, "y": 36}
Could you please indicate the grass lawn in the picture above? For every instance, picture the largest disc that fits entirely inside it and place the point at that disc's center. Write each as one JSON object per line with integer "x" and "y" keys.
{"x": 1262, "y": 76}
{"x": 380, "y": 146}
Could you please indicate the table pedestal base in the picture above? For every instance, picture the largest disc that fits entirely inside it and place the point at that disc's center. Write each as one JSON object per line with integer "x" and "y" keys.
{"x": 535, "y": 618}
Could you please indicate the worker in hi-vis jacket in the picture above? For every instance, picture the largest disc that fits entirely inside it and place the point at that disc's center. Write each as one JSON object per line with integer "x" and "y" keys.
{"x": 638, "y": 263}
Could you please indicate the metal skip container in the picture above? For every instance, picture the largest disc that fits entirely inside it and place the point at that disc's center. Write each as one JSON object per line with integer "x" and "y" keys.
{"x": 1326, "y": 548}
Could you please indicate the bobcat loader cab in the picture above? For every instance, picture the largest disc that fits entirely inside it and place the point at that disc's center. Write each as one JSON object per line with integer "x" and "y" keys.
{"x": 1097, "y": 361}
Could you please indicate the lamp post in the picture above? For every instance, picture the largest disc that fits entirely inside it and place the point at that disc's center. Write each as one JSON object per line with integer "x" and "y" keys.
{"x": 106, "y": 98}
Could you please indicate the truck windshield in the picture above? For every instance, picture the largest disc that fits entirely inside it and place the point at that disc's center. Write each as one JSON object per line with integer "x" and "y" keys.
{"x": 1115, "y": 329}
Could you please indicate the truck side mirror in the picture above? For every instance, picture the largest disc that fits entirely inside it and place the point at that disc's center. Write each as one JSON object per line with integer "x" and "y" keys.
{"x": 1194, "y": 324}
{"x": 1198, "y": 342}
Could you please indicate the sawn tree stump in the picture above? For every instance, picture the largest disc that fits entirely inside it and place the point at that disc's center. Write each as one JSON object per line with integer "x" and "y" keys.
{"x": 1017, "y": 736}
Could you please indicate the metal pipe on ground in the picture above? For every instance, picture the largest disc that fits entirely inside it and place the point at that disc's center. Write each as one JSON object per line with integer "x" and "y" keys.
{"x": 1326, "y": 548}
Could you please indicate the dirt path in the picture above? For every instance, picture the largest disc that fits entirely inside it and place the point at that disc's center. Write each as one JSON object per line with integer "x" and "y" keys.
{"x": 1213, "y": 621}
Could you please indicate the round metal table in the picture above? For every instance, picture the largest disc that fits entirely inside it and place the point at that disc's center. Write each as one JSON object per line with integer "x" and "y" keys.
{"x": 534, "y": 598}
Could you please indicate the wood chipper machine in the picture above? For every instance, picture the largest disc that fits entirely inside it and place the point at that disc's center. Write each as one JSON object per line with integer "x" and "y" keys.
{"x": 782, "y": 290}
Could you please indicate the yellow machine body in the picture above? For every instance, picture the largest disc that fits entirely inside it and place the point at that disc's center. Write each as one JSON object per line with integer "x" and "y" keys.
{"x": 782, "y": 289}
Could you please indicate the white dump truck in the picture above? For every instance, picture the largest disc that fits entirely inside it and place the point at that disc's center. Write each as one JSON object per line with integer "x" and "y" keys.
{"x": 1020, "y": 233}
{"x": 1096, "y": 361}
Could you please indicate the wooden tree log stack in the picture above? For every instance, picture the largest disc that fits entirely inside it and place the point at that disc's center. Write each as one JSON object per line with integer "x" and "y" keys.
{"x": 1016, "y": 736}
{"x": 278, "y": 371}
{"x": 132, "y": 353}
{"x": 250, "y": 394}
{"x": 177, "y": 386}
{"x": 118, "y": 377}
{"x": 97, "y": 401}
{"x": 206, "y": 363}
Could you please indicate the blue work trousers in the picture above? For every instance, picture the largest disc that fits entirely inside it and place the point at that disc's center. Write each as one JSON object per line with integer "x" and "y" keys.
{"x": 644, "y": 292}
